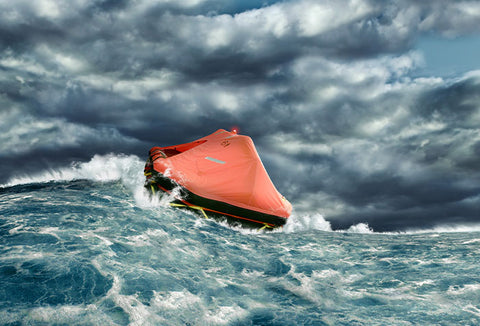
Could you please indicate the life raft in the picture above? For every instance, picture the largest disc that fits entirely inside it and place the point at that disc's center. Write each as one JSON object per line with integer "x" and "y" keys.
{"x": 220, "y": 176}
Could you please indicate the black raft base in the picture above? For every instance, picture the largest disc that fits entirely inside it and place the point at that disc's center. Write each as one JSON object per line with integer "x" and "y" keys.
{"x": 208, "y": 208}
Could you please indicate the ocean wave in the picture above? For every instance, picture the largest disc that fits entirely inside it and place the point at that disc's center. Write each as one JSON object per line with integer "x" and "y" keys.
{"x": 128, "y": 169}
{"x": 316, "y": 221}
{"x": 446, "y": 228}
{"x": 102, "y": 168}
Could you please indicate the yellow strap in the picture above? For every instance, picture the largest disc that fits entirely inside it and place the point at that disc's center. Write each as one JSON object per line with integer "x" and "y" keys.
{"x": 200, "y": 209}
{"x": 153, "y": 189}
{"x": 266, "y": 226}
{"x": 178, "y": 205}
{"x": 192, "y": 206}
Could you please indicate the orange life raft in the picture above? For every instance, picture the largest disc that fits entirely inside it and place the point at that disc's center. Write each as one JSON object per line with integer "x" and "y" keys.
{"x": 220, "y": 175}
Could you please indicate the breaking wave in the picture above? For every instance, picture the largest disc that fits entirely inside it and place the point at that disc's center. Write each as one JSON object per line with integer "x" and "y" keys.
{"x": 102, "y": 168}
{"x": 316, "y": 221}
{"x": 128, "y": 169}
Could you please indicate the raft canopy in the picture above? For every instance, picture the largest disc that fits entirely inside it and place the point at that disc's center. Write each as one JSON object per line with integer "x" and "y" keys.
{"x": 223, "y": 167}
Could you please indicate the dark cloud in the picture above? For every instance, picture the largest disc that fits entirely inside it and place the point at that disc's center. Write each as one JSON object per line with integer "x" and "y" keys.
{"x": 421, "y": 167}
{"x": 326, "y": 90}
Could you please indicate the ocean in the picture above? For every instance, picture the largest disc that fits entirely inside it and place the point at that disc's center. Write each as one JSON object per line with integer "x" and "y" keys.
{"x": 86, "y": 245}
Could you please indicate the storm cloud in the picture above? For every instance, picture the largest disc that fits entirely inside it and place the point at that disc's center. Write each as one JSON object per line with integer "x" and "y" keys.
{"x": 329, "y": 91}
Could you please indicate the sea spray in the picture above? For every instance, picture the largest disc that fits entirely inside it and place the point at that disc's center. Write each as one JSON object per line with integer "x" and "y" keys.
{"x": 101, "y": 168}
{"x": 297, "y": 222}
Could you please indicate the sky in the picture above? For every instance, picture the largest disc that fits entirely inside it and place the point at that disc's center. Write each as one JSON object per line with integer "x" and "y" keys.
{"x": 363, "y": 111}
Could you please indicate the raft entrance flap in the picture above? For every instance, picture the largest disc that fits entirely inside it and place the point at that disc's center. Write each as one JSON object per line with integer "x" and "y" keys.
{"x": 170, "y": 151}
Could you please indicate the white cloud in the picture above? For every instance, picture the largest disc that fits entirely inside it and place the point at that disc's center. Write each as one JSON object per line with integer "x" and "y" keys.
{"x": 452, "y": 18}
{"x": 64, "y": 61}
{"x": 326, "y": 80}
{"x": 292, "y": 145}
{"x": 145, "y": 87}
{"x": 303, "y": 18}
{"x": 312, "y": 18}
{"x": 422, "y": 127}
{"x": 254, "y": 31}
{"x": 226, "y": 100}
{"x": 47, "y": 8}
{"x": 23, "y": 64}
{"x": 23, "y": 10}
{"x": 23, "y": 133}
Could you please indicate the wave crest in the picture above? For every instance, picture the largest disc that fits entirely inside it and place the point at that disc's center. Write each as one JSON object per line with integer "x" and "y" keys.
{"x": 102, "y": 168}
{"x": 316, "y": 221}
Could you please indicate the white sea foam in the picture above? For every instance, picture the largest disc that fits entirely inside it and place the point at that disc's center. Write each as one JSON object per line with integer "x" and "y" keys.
{"x": 447, "y": 228}
{"x": 68, "y": 314}
{"x": 471, "y": 241}
{"x": 103, "y": 168}
{"x": 179, "y": 305}
{"x": 175, "y": 300}
{"x": 298, "y": 223}
{"x": 224, "y": 315}
{"x": 137, "y": 312}
{"x": 316, "y": 221}
{"x": 360, "y": 228}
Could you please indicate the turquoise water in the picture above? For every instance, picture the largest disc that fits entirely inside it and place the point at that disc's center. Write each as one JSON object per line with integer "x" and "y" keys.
{"x": 86, "y": 246}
